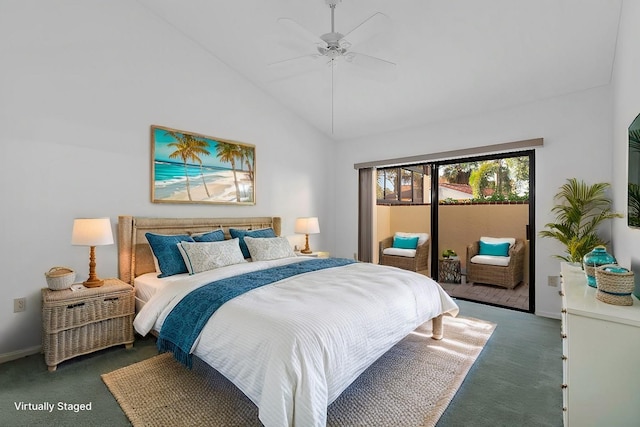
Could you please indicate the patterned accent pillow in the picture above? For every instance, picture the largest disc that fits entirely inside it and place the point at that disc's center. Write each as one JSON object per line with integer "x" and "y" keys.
{"x": 211, "y": 236}
{"x": 265, "y": 249}
{"x": 241, "y": 234}
{"x": 166, "y": 254}
{"x": 204, "y": 256}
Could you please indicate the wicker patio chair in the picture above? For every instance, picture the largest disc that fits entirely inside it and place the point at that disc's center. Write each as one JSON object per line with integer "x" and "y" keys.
{"x": 418, "y": 263}
{"x": 506, "y": 277}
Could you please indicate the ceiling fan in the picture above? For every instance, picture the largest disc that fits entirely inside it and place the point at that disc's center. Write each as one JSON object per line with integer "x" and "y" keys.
{"x": 335, "y": 46}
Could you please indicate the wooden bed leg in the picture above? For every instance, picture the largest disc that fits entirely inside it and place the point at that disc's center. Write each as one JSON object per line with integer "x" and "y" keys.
{"x": 436, "y": 324}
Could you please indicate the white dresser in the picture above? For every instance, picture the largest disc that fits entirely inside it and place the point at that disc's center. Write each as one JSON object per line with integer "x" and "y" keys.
{"x": 601, "y": 356}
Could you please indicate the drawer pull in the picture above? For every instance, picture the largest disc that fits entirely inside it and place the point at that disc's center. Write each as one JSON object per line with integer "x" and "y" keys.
{"x": 112, "y": 299}
{"x": 80, "y": 304}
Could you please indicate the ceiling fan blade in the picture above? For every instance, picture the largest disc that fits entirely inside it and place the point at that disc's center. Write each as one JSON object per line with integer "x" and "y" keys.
{"x": 299, "y": 65}
{"x": 299, "y": 32}
{"x": 370, "y": 27}
{"x": 298, "y": 59}
{"x": 378, "y": 68}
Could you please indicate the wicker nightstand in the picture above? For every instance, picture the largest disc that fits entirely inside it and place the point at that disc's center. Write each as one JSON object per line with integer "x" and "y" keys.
{"x": 87, "y": 320}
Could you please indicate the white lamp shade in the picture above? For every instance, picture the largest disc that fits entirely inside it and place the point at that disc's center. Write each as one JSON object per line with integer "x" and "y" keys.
{"x": 307, "y": 225}
{"x": 92, "y": 232}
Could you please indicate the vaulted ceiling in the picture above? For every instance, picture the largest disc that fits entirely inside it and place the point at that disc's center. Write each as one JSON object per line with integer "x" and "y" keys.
{"x": 453, "y": 58}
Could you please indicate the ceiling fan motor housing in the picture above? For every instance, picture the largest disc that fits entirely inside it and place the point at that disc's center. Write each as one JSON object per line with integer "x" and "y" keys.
{"x": 334, "y": 46}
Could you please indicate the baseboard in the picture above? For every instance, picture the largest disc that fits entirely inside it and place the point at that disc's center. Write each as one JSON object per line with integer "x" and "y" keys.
{"x": 552, "y": 315}
{"x": 7, "y": 357}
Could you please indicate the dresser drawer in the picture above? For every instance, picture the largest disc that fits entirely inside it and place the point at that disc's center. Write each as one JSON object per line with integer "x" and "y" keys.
{"x": 60, "y": 312}
{"x": 69, "y": 343}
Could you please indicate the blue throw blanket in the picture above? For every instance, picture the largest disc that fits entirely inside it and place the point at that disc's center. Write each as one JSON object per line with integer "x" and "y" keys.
{"x": 185, "y": 322}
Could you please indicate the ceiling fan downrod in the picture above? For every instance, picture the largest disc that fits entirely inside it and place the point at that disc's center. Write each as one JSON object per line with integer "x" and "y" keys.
{"x": 332, "y": 39}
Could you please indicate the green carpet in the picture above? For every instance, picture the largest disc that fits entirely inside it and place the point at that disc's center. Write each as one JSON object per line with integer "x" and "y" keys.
{"x": 515, "y": 381}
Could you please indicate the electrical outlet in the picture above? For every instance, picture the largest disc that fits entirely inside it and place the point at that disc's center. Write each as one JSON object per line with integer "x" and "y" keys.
{"x": 19, "y": 304}
{"x": 553, "y": 281}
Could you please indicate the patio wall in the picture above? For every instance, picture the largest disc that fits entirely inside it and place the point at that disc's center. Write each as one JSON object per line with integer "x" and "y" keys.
{"x": 459, "y": 224}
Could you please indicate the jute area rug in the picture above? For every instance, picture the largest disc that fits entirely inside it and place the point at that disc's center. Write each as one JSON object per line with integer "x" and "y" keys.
{"x": 410, "y": 385}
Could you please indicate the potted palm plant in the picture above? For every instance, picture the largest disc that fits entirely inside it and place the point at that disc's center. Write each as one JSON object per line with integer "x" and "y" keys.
{"x": 581, "y": 208}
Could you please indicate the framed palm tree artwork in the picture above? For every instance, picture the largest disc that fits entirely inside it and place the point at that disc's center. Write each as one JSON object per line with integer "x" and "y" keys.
{"x": 187, "y": 167}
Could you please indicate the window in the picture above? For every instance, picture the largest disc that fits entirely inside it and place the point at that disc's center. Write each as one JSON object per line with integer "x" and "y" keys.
{"x": 403, "y": 185}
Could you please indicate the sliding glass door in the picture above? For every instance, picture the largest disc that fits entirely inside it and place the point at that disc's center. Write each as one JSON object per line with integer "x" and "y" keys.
{"x": 458, "y": 202}
{"x": 485, "y": 198}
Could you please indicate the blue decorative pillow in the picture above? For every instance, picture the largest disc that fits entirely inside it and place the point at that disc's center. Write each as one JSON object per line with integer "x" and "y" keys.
{"x": 241, "y": 234}
{"x": 494, "y": 249}
{"x": 165, "y": 249}
{"x": 212, "y": 236}
{"x": 405, "y": 242}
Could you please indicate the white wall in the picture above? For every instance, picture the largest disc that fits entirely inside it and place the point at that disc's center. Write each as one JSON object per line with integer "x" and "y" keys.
{"x": 80, "y": 84}
{"x": 577, "y": 143}
{"x": 626, "y": 89}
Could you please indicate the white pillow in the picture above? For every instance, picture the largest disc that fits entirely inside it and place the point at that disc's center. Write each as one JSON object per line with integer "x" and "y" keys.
{"x": 204, "y": 256}
{"x": 494, "y": 240}
{"x": 422, "y": 237}
{"x": 268, "y": 248}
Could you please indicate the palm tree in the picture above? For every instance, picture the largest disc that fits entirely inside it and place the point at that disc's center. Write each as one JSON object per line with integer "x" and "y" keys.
{"x": 189, "y": 148}
{"x": 247, "y": 158}
{"x": 479, "y": 179}
{"x": 458, "y": 173}
{"x": 229, "y": 153}
{"x": 581, "y": 210}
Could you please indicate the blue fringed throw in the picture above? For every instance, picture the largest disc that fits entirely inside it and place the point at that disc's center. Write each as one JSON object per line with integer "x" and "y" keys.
{"x": 185, "y": 322}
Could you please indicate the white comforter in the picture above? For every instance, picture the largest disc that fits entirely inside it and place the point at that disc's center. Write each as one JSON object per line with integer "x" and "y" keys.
{"x": 293, "y": 346}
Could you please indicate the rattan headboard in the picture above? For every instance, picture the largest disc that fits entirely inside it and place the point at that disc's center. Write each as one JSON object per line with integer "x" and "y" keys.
{"x": 134, "y": 253}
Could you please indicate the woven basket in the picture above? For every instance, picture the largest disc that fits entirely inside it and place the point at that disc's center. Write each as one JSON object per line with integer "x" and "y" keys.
{"x": 59, "y": 278}
{"x": 614, "y": 287}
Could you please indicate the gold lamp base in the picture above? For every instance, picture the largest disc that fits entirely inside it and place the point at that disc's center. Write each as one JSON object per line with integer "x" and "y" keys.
{"x": 93, "y": 283}
{"x": 307, "y": 249}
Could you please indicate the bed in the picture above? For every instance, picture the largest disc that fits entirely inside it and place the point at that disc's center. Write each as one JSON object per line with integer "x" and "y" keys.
{"x": 292, "y": 346}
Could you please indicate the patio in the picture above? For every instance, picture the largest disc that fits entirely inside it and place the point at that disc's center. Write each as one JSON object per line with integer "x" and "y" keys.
{"x": 516, "y": 298}
{"x": 459, "y": 225}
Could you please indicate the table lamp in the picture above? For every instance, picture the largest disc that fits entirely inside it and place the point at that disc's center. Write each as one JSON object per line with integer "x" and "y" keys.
{"x": 92, "y": 232}
{"x": 306, "y": 226}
